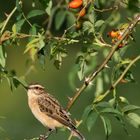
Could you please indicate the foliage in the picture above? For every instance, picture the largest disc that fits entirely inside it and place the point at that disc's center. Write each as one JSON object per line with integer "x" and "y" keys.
{"x": 64, "y": 28}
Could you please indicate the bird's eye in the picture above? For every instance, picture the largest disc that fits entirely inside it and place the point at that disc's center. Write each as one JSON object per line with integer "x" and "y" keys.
{"x": 37, "y": 88}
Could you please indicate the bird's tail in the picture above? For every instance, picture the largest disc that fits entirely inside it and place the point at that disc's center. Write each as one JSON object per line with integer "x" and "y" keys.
{"x": 76, "y": 133}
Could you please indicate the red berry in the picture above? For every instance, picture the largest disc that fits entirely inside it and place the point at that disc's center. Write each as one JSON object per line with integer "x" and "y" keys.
{"x": 75, "y": 4}
{"x": 82, "y": 12}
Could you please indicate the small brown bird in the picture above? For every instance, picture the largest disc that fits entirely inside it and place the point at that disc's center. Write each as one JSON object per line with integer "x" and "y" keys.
{"x": 48, "y": 111}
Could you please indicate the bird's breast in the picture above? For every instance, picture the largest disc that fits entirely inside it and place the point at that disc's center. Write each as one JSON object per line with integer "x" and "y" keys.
{"x": 42, "y": 116}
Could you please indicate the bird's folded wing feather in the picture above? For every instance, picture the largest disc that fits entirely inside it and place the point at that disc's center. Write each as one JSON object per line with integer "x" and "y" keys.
{"x": 51, "y": 107}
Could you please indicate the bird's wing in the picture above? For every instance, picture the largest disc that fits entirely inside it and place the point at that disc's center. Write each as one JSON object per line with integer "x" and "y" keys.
{"x": 51, "y": 107}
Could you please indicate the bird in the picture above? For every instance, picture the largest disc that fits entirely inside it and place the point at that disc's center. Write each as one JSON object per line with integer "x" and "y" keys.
{"x": 49, "y": 112}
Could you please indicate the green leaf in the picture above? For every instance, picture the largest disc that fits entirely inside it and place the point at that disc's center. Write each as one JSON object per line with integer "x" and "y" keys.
{"x": 34, "y": 13}
{"x": 124, "y": 100}
{"x": 49, "y": 7}
{"x": 82, "y": 69}
{"x": 10, "y": 83}
{"x": 99, "y": 23}
{"x": 2, "y": 57}
{"x": 123, "y": 123}
{"x": 130, "y": 108}
{"x": 119, "y": 69}
{"x": 57, "y": 63}
{"x": 87, "y": 110}
{"x": 18, "y": 5}
{"x": 91, "y": 119}
{"x": 110, "y": 111}
{"x": 14, "y": 29}
{"x": 42, "y": 58}
{"x": 133, "y": 119}
{"x": 107, "y": 126}
{"x": 19, "y": 24}
{"x": 19, "y": 81}
{"x": 59, "y": 19}
{"x": 31, "y": 44}
{"x": 99, "y": 86}
{"x": 88, "y": 26}
{"x": 112, "y": 102}
{"x": 92, "y": 18}
{"x": 70, "y": 19}
{"x": 33, "y": 30}
{"x": 103, "y": 104}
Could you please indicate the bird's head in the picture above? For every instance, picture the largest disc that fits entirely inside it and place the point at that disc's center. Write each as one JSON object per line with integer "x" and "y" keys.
{"x": 35, "y": 89}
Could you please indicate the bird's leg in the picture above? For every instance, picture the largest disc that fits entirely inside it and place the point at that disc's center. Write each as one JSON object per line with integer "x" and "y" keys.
{"x": 44, "y": 137}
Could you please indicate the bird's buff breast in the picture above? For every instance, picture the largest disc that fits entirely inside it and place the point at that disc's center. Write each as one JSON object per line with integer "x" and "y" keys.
{"x": 41, "y": 116}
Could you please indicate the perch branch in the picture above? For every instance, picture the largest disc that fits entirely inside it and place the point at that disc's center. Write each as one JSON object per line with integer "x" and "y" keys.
{"x": 92, "y": 76}
{"x": 101, "y": 97}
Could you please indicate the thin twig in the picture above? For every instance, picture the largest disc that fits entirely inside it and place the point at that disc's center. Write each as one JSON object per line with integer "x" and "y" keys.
{"x": 98, "y": 99}
{"x": 27, "y": 19}
{"x": 92, "y": 76}
{"x": 7, "y": 20}
{"x": 106, "y": 10}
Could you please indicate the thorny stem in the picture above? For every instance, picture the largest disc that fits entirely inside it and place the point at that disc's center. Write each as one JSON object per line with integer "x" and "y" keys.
{"x": 27, "y": 20}
{"x": 117, "y": 81}
{"x": 93, "y": 75}
{"x": 7, "y": 20}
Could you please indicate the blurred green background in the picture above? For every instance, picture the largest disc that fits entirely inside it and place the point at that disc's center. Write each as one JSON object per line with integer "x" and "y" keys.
{"x": 18, "y": 122}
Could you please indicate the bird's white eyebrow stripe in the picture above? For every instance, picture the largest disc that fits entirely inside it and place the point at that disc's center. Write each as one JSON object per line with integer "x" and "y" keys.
{"x": 33, "y": 86}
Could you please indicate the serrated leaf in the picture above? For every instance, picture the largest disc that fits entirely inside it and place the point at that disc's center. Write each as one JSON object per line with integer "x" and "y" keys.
{"x": 59, "y": 18}
{"x": 99, "y": 23}
{"x": 110, "y": 111}
{"x": 34, "y": 13}
{"x": 129, "y": 108}
{"x": 88, "y": 26}
{"x": 92, "y": 18}
{"x": 86, "y": 112}
{"x": 107, "y": 126}
{"x": 91, "y": 119}
{"x": 133, "y": 119}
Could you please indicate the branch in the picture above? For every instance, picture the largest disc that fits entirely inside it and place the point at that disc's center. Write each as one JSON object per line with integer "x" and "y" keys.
{"x": 7, "y": 20}
{"x": 101, "y": 97}
{"x": 92, "y": 76}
